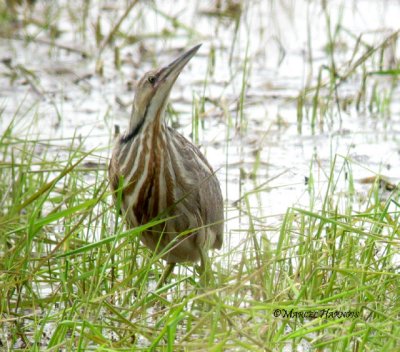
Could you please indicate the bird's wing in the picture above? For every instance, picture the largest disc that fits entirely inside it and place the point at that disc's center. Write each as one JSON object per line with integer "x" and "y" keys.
{"x": 205, "y": 191}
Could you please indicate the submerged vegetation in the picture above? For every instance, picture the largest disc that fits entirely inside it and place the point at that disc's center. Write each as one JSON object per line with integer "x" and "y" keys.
{"x": 312, "y": 243}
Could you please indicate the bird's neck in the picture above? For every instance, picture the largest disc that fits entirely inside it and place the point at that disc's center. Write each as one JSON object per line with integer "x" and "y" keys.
{"x": 152, "y": 118}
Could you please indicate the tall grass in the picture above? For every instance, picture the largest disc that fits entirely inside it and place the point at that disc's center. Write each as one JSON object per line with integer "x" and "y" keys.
{"x": 73, "y": 278}
{"x": 318, "y": 277}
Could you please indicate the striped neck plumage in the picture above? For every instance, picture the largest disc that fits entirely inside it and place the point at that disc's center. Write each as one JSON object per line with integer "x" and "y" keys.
{"x": 152, "y": 117}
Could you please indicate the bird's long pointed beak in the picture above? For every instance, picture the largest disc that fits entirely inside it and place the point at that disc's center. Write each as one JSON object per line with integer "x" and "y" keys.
{"x": 171, "y": 72}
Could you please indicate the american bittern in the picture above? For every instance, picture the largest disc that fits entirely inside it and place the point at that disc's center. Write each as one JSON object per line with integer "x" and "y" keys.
{"x": 164, "y": 173}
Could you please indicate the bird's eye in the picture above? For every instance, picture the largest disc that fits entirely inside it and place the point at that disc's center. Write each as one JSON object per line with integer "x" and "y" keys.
{"x": 151, "y": 79}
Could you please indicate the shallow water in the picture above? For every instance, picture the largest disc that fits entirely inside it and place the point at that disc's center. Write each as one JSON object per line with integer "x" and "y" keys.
{"x": 55, "y": 95}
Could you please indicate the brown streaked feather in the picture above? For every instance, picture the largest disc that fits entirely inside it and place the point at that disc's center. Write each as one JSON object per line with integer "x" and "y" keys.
{"x": 185, "y": 198}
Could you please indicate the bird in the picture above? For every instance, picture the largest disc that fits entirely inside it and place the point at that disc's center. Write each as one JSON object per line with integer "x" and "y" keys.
{"x": 160, "y": 173}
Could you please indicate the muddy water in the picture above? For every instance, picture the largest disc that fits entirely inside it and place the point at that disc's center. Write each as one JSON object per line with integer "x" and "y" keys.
{"x": 249, "y": 129}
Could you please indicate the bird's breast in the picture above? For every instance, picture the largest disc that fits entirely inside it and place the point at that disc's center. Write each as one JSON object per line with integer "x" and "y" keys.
{"x": 145, "y": 168}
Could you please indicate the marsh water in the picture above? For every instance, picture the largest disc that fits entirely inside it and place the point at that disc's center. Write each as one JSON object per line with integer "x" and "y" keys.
{"x": 248, "y": 98}
{"x": 257, "y": 59}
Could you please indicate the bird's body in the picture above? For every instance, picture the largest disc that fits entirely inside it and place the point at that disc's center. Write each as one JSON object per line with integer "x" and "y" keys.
{"x": 166, "y": 175}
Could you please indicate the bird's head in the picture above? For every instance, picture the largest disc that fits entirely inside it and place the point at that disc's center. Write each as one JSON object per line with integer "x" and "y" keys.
{"x": 153, "y": 90}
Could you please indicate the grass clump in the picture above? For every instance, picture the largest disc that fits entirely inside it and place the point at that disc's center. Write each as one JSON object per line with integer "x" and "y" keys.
{"x": 72, "y": 278}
